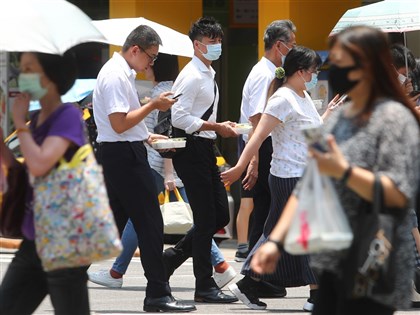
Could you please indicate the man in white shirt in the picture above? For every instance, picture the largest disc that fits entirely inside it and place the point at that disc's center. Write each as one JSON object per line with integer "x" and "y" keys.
{"x": 128, "y": 176}
{"x": 196, "y": 165}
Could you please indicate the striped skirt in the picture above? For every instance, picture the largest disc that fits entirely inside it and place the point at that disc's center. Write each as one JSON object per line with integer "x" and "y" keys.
{"x": 292, "y": 270}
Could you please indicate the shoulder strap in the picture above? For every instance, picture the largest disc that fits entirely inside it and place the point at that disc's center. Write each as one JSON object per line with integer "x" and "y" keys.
{"x": 209, "y": 111}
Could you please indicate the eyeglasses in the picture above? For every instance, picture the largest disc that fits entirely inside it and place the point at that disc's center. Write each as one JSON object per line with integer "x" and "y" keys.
{"x": 287, "y": 44}
{"x": 313, "y": 71}
{"x": 151, "y": 57}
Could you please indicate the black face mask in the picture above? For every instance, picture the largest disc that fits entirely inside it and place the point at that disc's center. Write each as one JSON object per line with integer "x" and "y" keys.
{"x": 338, "y": 79}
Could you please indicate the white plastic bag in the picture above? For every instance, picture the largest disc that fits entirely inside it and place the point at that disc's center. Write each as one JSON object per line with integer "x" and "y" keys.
{"x": 319, "y": 223}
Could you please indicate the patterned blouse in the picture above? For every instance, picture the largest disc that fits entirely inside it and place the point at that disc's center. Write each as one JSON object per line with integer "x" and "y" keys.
{"x": 388, "y": 144}
{"x": 153, "y": 156}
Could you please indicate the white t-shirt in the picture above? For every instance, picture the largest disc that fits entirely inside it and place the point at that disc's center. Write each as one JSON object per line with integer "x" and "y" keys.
{"x": 289, "y": 147}
{"x": 254, "y": 93}
{"x": 196, "y": 83}
{"x": 115, "y": 92}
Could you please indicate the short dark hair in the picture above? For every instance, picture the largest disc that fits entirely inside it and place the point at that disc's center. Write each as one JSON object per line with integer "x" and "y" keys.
{"x": 62, "y": 70}
{"x": 166, "y": 68}
{"x": 398, "y": 53}
{"x": 143, "y": 36}
{"x": 278, "y": 30}
{"x": 205, "y": 27}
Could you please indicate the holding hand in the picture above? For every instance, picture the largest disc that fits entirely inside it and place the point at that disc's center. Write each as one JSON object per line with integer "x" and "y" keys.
{"x": 265, "y": 258}
{"x": 336, "y": 102}
{"x": 20, "y": 110}
{"x": 331, "y": 163}
{"x": 226, "y": 129}
{"x": 231, "y": 175}
{"x": 163, "y": 102}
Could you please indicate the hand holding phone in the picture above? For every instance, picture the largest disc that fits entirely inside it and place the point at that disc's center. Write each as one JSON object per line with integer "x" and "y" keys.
{"x": 414, "y": 93}
{"x": 339, "y": 102}
{"x": 315, "y": 137}
{"x": 177, "y": 96}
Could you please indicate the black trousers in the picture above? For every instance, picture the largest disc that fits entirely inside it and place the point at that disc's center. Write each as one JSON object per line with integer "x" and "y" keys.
{"x": 26, "y": 284}
{"x": 132, "y": 194}
{"x": 196, "y": 166}
{"x": 261, "y": 192}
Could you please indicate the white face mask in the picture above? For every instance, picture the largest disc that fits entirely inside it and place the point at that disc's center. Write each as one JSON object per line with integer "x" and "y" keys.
{"x": 283, "y": 57}
{"x": 402, "y": 78}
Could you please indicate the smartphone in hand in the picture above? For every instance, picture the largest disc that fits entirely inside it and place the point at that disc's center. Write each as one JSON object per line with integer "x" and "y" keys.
{"x": 176, "y": 96}
{"x": 414, "y": 93}
{"x": 315, "y": 137}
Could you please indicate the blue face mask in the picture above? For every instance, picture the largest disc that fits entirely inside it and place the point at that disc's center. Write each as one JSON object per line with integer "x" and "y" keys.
{"x": 31, "y": 83}
{"x": 213, "y": 51}
{"x": 311, "y": 84}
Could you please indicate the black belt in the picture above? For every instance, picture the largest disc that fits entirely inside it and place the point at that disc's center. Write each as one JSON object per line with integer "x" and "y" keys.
{"x": 119, "y": 142}
{"x": 201, "y": 139}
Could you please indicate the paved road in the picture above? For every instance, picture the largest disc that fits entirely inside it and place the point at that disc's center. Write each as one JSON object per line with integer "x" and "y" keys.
{"x": 129, "y": 299}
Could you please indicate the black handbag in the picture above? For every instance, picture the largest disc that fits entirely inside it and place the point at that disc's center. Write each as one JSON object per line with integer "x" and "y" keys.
{"x": 370, "y": 265}
{"x": 14, "y": 201}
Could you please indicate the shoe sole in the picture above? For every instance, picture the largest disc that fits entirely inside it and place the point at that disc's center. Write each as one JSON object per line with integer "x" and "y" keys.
{"x": 106, "y": 285}
{"x": 237, "y": 259}
{"x": 200, "y": 299}
{"x": 308, "y": 307}
{"x": 242, "y": 297}
{"x": 154, "y": 309}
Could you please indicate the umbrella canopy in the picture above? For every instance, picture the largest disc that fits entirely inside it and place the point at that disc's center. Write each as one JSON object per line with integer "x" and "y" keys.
{"x": 173, "y": 42}
{"x": 80, "y": 90}
{"x": 48, "y": 26}
{"x": 389, "y": 16}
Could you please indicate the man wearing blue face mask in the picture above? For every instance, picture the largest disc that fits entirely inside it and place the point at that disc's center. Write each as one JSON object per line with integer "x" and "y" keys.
{"x": 195, "y": 114}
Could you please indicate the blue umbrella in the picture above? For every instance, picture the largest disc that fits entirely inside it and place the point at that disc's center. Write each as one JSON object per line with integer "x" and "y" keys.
{"x": 80, "y": 89}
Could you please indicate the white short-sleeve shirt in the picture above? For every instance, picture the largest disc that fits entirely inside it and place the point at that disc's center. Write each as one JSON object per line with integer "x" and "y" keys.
{"x": 254, "y": 93}
{"x": 115, "y": 92}
{"x": 289, "y": 147}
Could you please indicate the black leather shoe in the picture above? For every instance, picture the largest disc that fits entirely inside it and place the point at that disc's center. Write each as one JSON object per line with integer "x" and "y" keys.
{"x": 166, "y": 304}
{"x": 213, "y": 295}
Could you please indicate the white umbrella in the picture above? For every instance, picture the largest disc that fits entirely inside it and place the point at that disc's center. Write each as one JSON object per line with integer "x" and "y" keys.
{"x": 49, "y": 26}
{"x": 173, "y": 42}
{"x": 389, "y": 16}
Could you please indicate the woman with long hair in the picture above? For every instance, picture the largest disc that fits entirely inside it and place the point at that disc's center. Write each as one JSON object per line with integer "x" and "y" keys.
{"x": 376, "y": 134}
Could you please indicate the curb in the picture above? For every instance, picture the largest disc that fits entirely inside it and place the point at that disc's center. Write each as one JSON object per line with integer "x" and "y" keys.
{"x": 11, "y": 243}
